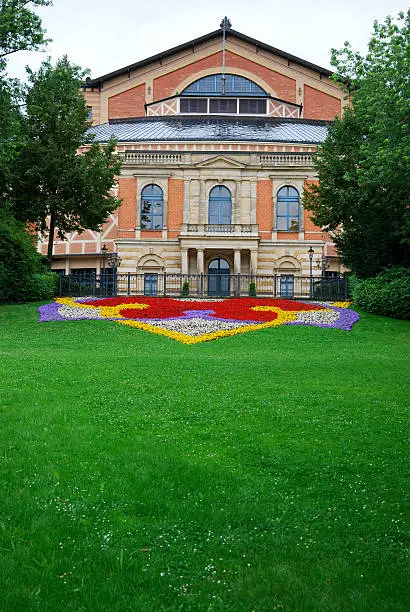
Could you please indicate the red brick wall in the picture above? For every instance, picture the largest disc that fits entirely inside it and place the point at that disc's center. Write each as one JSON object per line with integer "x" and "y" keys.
{"x": 130, "y": 103}
{"x": 127, "y": 212}
{"x": 151, "y": 234}
{"x": 309, "y": 225}
{"x": 264, "y": 206}
{"x": 175, "y": 203}
{"x": 288, "y": 236}
{"x": 282, "y": 86}
{"x": 319, "y": 105}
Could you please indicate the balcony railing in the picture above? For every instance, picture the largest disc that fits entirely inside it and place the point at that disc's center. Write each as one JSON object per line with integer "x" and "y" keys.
{"x": 234, "y": 230}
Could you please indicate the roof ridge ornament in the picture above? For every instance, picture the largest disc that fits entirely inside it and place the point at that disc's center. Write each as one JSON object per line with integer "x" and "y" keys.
{"x": 225, "y": 24}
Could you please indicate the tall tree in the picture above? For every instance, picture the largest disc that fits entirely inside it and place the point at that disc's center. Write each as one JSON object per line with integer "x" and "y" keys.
{"x": 56, "y": 188}
{"x": 363, "y": 167}
{"x": 20, "y": 29}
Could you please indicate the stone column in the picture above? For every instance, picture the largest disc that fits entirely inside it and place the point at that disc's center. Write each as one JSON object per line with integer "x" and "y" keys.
{"x": 200, "y": 261}
{"x": 184, "y": 261}
{"x": 254, "y": 261}
{"x": 237, "y": 261}
{"x": 187, "y": 190}
{"x": 202, "y": 202}
{"x": 253, "y": 201}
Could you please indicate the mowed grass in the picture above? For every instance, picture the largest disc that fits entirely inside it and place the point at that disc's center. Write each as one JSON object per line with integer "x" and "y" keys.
{"x": 260, "y": 472}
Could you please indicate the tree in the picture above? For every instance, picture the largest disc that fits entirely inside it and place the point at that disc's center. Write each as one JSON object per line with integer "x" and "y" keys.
{"x": 20, "y": 29}
{"x": 362, "y": 196}
{"x": 57, "y": 188}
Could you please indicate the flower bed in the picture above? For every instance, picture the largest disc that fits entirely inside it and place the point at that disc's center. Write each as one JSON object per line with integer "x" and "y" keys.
{"x": 192, "y": 321}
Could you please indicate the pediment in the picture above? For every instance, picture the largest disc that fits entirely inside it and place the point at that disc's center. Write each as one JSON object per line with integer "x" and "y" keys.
{"x": 220, "y": 161}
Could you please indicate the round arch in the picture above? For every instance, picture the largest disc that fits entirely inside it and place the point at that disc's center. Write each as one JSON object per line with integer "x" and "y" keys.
{"x": 287, "y": 264}
{"x": 209, "y": 71}
{"x": 151, "y": 262}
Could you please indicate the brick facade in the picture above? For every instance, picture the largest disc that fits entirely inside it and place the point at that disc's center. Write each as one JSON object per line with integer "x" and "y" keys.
{"x": 186, "y": 170}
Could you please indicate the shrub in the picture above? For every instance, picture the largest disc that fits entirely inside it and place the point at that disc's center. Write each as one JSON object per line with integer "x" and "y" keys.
{"x": 185, "y": 289}
{"x": 20, "y": 264}
{"x": 386, "y": 294}
{"x": 43, "y": 286}
{"x": 252, "y": 290}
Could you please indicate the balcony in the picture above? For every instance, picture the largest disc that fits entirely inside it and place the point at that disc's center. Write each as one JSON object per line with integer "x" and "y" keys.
{"x": 231, "y": 230}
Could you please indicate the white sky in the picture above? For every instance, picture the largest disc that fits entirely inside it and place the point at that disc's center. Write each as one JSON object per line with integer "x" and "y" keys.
{"x": 103, "y": 35}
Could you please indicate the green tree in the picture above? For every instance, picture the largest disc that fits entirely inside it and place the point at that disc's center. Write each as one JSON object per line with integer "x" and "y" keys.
{"x": 20, "y": 29}
{"x": 363, "y": 167}
{"x": 58, "y": 189}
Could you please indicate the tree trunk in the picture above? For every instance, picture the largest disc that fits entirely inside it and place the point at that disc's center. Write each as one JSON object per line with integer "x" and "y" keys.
{"x": 51, "y": 238}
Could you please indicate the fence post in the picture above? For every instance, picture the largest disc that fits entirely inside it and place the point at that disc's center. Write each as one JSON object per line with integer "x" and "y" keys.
{"x": 201, "y": 288}
{"x": 165, "y": 283}
{"x": 274, "y": 285}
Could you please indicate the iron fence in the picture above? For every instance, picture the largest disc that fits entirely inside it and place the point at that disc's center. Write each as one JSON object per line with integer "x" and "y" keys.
{"x": 205, "y": 285}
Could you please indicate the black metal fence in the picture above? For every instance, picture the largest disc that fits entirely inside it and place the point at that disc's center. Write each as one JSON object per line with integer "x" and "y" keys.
{"x": 205, "y": 285}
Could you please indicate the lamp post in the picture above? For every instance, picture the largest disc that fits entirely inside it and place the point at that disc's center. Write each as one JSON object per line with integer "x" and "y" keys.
{"x": 322, "y": 264}
{"x": 311, "y": 253}
{"x": 102, "y": 275}
{"x": 114, "y": 263}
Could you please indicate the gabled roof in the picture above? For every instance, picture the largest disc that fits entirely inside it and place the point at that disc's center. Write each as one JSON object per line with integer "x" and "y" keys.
{"x": 97, "y": 82}
{"x": 212, "y": 128}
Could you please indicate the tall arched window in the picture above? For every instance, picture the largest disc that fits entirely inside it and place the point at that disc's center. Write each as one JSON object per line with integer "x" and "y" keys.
{"x": 287, "y": 209}
{"x": 220, "y": 205}
{"x": 152, "y": 207}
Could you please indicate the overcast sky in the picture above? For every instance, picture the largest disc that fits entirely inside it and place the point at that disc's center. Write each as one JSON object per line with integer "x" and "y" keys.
{"x": 103, "y": 35}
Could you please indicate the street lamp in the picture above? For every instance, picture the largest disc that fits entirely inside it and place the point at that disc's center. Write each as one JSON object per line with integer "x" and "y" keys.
{"x": 104, "y": 251}
{"x": 311, "y": 253}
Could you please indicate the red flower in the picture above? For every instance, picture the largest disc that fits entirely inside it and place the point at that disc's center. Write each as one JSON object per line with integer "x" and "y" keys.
{"x": 239, "y": 309}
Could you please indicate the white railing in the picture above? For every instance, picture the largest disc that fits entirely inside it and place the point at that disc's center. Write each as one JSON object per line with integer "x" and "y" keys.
{"x": 225, "y": 229}
{"x": 153, "y": 158}
{"x": 286, "y": 159}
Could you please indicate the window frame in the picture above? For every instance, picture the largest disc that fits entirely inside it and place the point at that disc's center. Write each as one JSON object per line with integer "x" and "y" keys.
{"x": 151, "y": 200}
{"x": 287, "y": 200}
{"x": 219, "y": 202}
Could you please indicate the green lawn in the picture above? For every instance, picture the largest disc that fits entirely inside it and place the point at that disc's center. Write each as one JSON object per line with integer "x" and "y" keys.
{"x": 260, "y": 472}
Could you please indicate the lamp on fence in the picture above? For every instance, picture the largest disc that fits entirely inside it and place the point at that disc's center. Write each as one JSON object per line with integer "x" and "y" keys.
{"x": 322, "y": 263}
{"x": 311, "y": 253}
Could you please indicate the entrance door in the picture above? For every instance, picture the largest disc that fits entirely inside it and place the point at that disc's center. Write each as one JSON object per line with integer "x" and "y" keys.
{"x": 219, "y": 278}
{"x": 287, "y": 285}
{"x": 150, "y": 284}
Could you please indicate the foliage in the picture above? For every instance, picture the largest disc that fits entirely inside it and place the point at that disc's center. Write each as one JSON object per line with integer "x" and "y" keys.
{"x": 20, "y": 27}
{"x": 10, "y": 133}
{"x": 21, "y": 268}
{"x": 185, "y": 289}
{"x": 57, "y": 189}
{"x": 362, "y": 196}
{"x": 252, "y": 289}
{"x": 43, "y": 286}
{"x": 386, "y": 294}
{"x": 266, "y": 470}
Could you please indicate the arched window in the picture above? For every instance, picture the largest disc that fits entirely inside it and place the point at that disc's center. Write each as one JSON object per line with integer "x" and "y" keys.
{"x": 228, "y": 84}
{"x": 226, "y": 94}
{"x": 152, "y": 207}
{"x": 220, "y": 205}
{"x": 287, "y": 209}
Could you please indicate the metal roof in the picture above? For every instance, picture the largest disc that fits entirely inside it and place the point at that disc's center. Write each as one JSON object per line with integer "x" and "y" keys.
{"x": 212, "y": 128}
{"x": 97, "y": 82}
